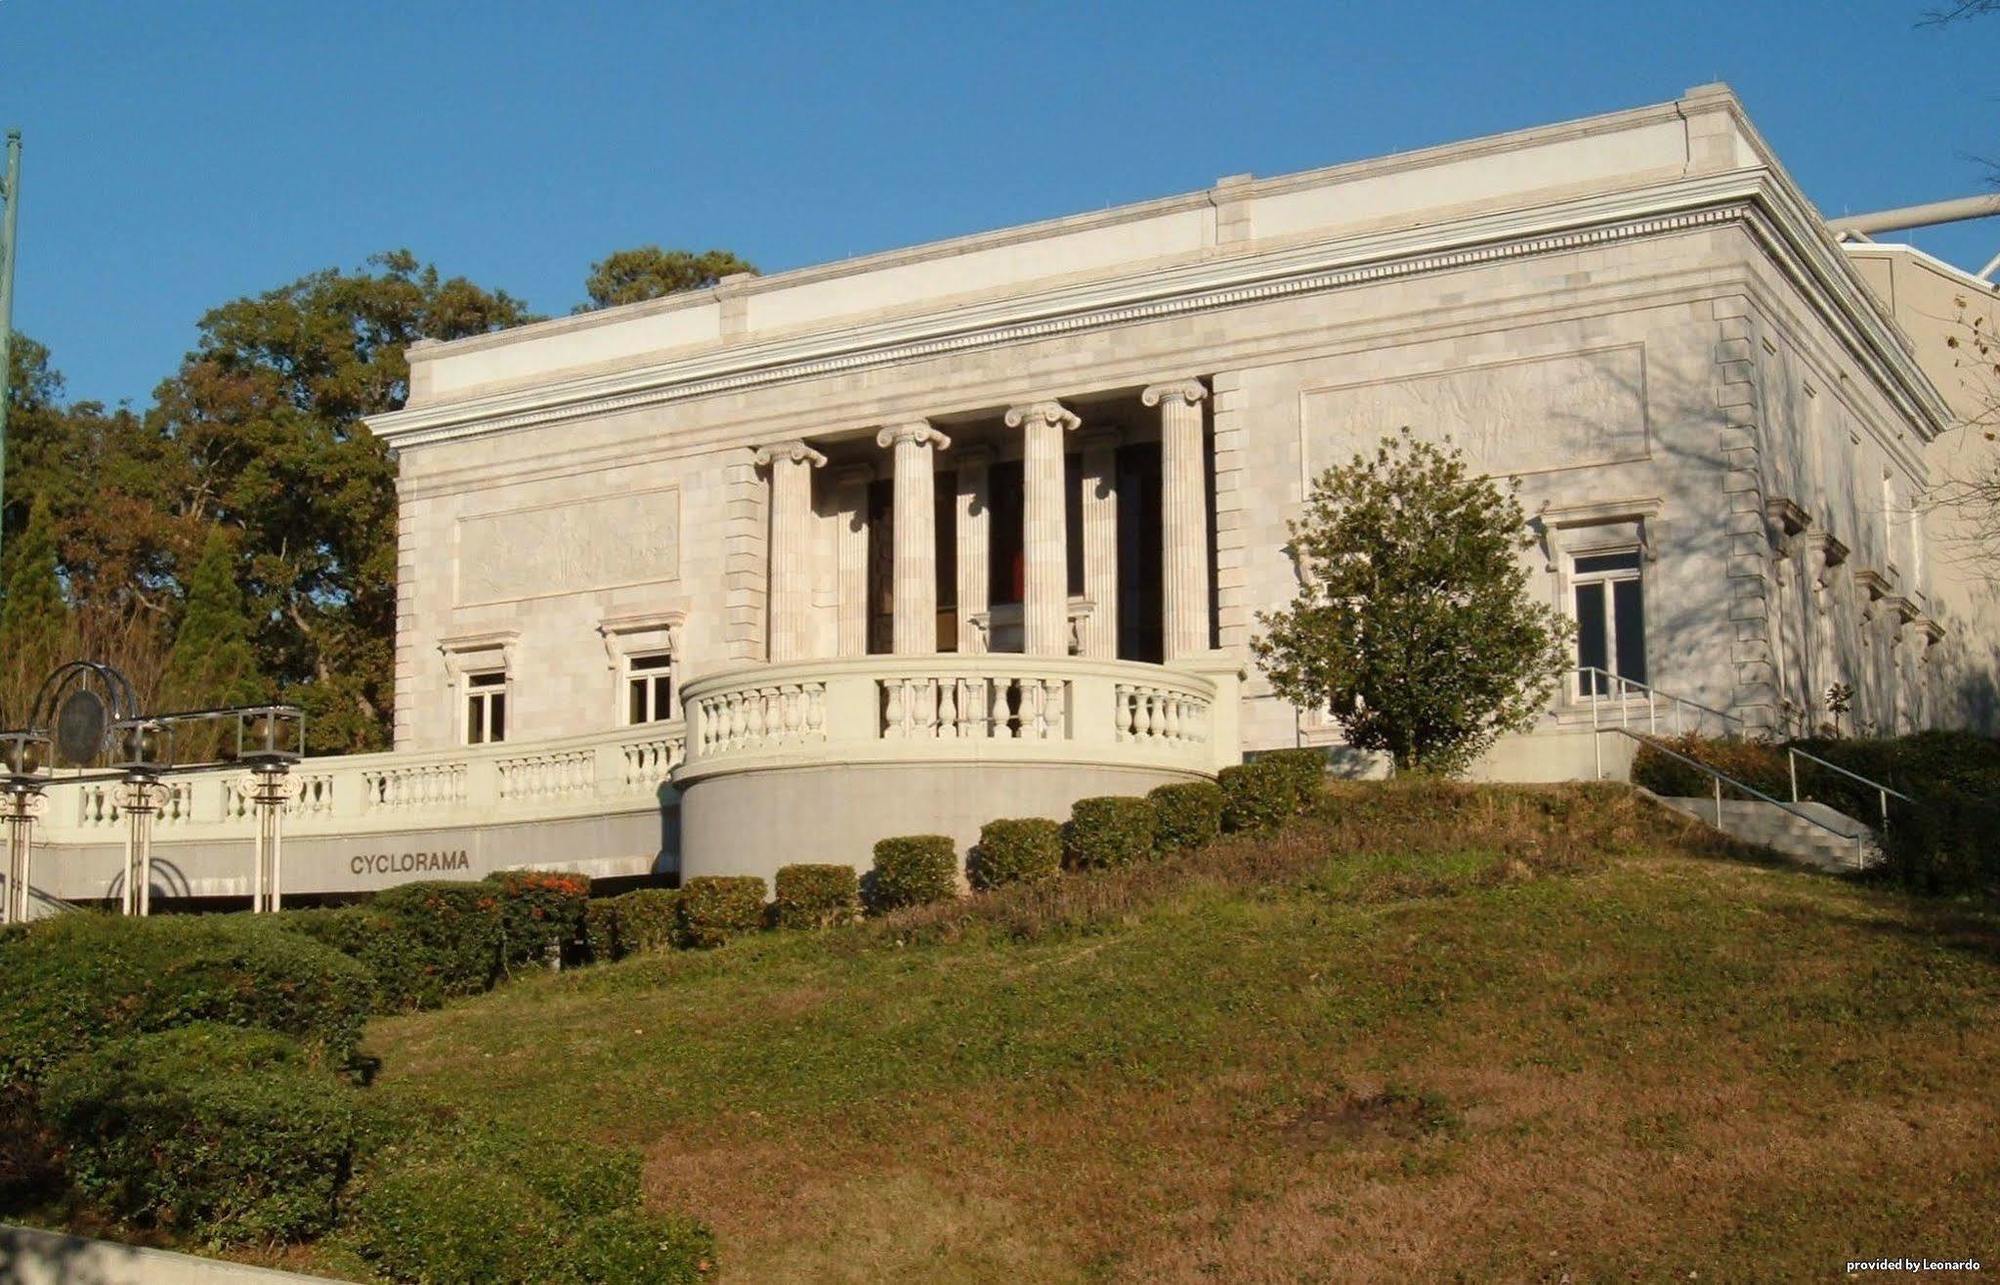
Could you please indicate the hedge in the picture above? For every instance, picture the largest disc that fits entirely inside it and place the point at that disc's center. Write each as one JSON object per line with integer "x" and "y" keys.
{"x": 1186, "y": 814}
{"x": 75, "y": 981}
{"x": 911, "y": 870}
{"x": 379, "y": 942}
{"x": 541, "y": 914}
{"x": 1948, "y": 842}
{"x": 648, "y": 920}
{"x": 1109, "y": 830}
{"x": 1758, "y": 764}
{"x": 816, "y": 896}
{"x": 455, "y": 935}
{"x": 1022, "y": 850}
{"x": 209, "y": 1131}
{"x": 716, "y": 908}
{"x": 498, "y": 1203}
{"x": 1256, "y": 796}
{"x": 1305, "y": 767}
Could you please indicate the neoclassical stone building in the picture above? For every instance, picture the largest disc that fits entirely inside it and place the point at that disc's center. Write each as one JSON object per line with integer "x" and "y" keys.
{"x": 762, "y": 573}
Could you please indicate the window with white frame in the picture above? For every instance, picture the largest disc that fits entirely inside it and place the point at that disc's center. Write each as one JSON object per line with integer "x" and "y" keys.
{"x": 486, "y": 707}
{"x": 1608, "y": 603}
{"x": 649, "y": 687}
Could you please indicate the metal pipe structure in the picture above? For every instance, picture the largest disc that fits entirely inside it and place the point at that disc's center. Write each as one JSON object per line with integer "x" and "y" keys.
{"x": 8, "y": 236}
{"x": 268, "y": 795}
{"x": 20, "y": 858}
{"x": 1955, "y": 210}
{"x": 139, "y": 811}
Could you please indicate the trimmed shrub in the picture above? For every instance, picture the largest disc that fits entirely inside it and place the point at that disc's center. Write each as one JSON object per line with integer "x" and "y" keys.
{"x": 207, "y": 1130}
{"x": 378, "y": 942}
{"x": 1023, "y": 850}
{"x": 816, "y": 896}
{"x": 73, "y": 982}
{"x": 600, "y": 929}
{"x": 1305, "y": 766}
{"x": 1758, "y": 764}
{"x": 454, "y": 932}
{"x": 1110, "y": 830}
{"x": 1186, "y": 814}
{"x": 1947, "y": 842}
{"x": 498, "y": 1203}
{"x": 541, "y": 914}
{"x": 1256, "y": 796}
{"x": 911, "y": 870}
{"x": 717, "y": 908}
{"x": 648, "y": 919}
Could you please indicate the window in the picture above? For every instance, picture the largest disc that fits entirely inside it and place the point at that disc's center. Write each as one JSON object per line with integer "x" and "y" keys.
{"x": 649, "y": 688}
{"x": 486, "y": 707}
{"x": 1610, "y": 610}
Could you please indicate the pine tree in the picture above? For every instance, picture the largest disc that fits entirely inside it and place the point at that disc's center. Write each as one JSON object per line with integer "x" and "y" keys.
{"x": 212, "y": 662}
{"x": 34, "y": 619}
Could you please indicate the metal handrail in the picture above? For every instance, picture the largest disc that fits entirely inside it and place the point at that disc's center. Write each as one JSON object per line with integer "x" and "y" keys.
{"x": 1721, "y": 777}
{"x": 1605, "y": 677}
{"x": 1793, "y": 755}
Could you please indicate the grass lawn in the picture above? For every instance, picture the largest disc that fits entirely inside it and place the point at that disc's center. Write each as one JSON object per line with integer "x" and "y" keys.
{"x": 1514, "y": 1033}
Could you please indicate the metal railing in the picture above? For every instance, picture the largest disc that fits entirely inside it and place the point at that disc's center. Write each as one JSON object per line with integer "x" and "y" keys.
{"x": 1793, "y": 755}
{"x": 1598, "y": 686}
{"x": 1721, "y": 778}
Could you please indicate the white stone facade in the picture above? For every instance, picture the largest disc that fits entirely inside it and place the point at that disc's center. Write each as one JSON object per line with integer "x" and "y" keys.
{"x": 1087, "y": 437}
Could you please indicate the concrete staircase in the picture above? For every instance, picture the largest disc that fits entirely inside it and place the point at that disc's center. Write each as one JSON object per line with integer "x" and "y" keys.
{"x": 1769, "y": 826}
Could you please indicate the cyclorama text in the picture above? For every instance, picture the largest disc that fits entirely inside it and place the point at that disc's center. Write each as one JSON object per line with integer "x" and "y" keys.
{"x": 394, "y": 863}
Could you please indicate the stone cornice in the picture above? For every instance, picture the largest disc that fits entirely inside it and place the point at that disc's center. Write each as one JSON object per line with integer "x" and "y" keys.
{"x": 1788, "y": 230}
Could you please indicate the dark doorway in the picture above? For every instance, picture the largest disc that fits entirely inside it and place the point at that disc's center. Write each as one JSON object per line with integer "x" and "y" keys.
{"x": 1141, "y": 611}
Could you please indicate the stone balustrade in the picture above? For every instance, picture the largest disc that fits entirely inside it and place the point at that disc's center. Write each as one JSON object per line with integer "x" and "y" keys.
{"x": 616, "y": 770}
{"x": 1003, "y": 707}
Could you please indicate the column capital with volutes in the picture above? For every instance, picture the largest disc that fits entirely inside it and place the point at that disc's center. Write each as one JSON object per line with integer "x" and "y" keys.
{"x": 1186, "y": 390}
{"x": 792, "y": 452}
{"x": 917, "y": 431}
{"x": 1048, "y": 411}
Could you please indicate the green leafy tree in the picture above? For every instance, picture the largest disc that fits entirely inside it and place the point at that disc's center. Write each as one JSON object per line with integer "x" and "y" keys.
{"x": 212, "y": 662}
{"x": 1414, "y": 624}
{"x": 34, "y": 619}
{"x": 648, "y": 272}
{"x": 261, "y": 431}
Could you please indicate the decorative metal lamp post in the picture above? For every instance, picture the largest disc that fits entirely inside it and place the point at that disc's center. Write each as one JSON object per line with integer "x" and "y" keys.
{"x": 144, "y": 749}
{"x": 269, "y": 739}
{"x": 23, "y": 755}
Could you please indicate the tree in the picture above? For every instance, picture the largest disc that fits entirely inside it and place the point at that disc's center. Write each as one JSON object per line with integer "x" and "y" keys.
{"x": 261, "y": 431}
{"x": 1413, "y": 624}
{"x": 34, "y": 619}
{"x": 648, "y": 272}
{"x": 211, "y": 662}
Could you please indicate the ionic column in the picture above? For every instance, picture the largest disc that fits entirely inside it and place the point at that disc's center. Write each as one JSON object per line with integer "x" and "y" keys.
{"x": 916, "y": 535}
{"x": 975, "y": 520}
{"x": 791, "y": 465}
{"x": 1183, "y": 516}
{"x": 851, "y": 615}
{"x": 1100, "y": 543}
{"x": 1045, "y": 535}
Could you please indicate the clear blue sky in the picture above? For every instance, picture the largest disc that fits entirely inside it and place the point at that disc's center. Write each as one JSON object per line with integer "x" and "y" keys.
{"x": 182, "y": 153}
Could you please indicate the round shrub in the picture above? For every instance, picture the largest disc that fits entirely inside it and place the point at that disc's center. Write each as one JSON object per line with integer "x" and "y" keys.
{"x": 1186, "y": 814}
{"x": 1306, "y": 767}
{"x": 648, "y": 919}
{"x": 911, "y": 870}
{"x": 376, "y": 941}
{"x": 541, "y": 914}
{"x": 206, "y": 1130}
{"x": 1256, "y": 796}
{"x": 1023, "y": 850}
{"x": 717, "y": 908}
{"x": 454, "y": 932}
{"x": 1109, "y": 830}
{"x": 816, "y": 896}
{"x": 74, "y": 981}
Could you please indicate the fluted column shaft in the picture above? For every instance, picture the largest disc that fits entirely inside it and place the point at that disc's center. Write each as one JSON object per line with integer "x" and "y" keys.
{"x": 791, "y": 465}
{"x": 851, "y": 614}
{"x": 1045, "y": 535}
{"x": 1100, "y": 543}
{"x": 916, "y": 535}
{"x": 1183, "y": 515}
{"x": 975, "y": 522}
